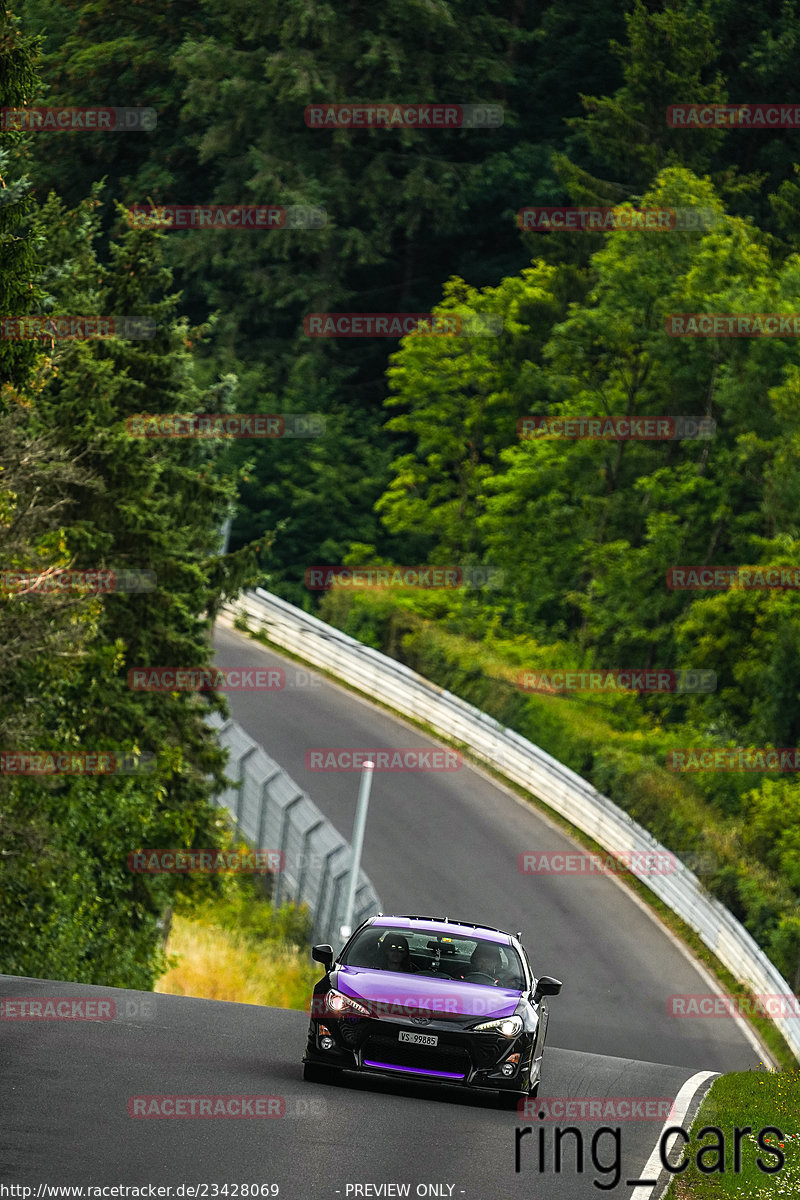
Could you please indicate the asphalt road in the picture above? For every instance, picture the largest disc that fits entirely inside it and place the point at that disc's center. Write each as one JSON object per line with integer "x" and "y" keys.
{"x": 69, "y": 1087}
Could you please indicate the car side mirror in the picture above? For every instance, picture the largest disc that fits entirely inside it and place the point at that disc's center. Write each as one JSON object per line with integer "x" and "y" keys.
{"x": 323, "y": 954}
{"x": 546, "y": 986}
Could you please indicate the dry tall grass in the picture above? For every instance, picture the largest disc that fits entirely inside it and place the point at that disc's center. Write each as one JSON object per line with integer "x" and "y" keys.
{"x": 221, "y": 964}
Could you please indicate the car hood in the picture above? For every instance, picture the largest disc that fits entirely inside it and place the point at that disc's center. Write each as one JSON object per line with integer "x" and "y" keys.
{"x": 390, "y": 993}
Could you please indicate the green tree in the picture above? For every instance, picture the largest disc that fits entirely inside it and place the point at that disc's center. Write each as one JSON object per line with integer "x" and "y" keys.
{"x": 73, "y": 909}
{"x": 667, "y": 59}
{"x": 94, "y": 55}
{"x": 772, "y": 827}
{"x": 689, "y": 53}
{"x": 17, "y": 205}
{"x": 615, "y": 516}
{"x": 463, "y": 397}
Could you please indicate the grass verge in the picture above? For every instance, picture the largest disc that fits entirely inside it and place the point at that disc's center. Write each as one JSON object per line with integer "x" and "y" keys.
{"x": 765, "y": 1109}
{"x": 218, "y": 964}
{"x": 233, "y": 944}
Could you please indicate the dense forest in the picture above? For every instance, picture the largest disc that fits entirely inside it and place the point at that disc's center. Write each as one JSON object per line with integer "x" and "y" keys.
{"x": 421, "y": 459}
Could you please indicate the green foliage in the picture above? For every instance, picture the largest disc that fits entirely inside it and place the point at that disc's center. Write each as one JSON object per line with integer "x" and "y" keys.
{"x": 667, "y": 59}
{"x": 242, "y": 905}
{"x": 785, "y": 949}
{"x": 464, "y": 395}
{"x": 71, "y": 908}
{"x": 17, "y": 204}
{"x": 421, "y": 460}
{"x": 772, "y": 828}
{"x": 77, "y": 490}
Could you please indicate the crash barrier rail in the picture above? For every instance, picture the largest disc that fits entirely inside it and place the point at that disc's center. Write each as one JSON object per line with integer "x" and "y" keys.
{"x": 272, "y": 813}
{"x": 397, "y": 686}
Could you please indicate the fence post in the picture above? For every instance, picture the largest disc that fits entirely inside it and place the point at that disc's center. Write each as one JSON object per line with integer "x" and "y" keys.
{"x": 303, "y": 865}
{"x": 264, "y": 802}
{"x": 241, "y": 766}
{"x": 282, "y": 839}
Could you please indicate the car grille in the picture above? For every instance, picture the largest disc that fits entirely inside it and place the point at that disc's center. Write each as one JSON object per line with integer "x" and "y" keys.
{"x": 487, "y": 1050}
{"x": 351, "y": 1031}
{"x": 420, "y": 1058}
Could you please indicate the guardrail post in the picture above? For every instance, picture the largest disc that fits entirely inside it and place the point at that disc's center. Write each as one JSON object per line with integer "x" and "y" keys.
{"x": 283, "y": 837}
{"x": 302, "y": 869}
{"x": 358, "y": 842}
{"x": 264, "y": 802}
{"x": 241, "y": 766}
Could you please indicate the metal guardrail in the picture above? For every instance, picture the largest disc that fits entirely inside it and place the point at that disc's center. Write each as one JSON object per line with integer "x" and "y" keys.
{"x": 382, "y": 678}
{"x": 272, "y": 813}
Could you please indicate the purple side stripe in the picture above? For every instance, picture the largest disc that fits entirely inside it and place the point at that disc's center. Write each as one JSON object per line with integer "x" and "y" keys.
{"x": 412, "y": 1070}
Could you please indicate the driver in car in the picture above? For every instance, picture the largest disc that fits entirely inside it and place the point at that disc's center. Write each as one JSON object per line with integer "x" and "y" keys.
{"x": 485, "y": 960}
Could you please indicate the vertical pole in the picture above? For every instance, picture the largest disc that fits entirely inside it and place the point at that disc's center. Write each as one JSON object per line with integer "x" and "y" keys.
{"x": 358, "y": 842}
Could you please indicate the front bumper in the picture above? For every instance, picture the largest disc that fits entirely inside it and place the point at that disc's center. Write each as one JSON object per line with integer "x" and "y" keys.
{"x": 461, "y": 1057}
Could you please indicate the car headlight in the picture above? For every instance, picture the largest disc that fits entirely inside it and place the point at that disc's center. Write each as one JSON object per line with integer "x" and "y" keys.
{"x": 508, "y": 1026}
{"x": 341, "y": 1005}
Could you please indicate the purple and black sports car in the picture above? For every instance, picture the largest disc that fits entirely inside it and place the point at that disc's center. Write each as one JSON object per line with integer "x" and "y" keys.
{"x": 431, "y": 999}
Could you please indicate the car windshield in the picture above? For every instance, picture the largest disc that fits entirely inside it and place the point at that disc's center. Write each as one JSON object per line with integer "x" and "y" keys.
{"x": 422, "y": 951}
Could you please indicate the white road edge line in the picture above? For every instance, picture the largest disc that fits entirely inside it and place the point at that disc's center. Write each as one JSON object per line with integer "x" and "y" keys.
{"x": 653, "y": 1168}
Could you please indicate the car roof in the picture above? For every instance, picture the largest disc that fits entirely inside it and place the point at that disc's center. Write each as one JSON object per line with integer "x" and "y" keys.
{"x": 444, "y": 925}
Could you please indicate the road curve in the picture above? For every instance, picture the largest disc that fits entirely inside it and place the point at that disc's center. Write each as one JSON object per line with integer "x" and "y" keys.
{"x": 447, "y": 844}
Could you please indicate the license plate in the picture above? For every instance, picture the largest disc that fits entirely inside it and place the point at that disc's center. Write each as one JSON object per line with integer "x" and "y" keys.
{"x": 419, "y": 1039}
